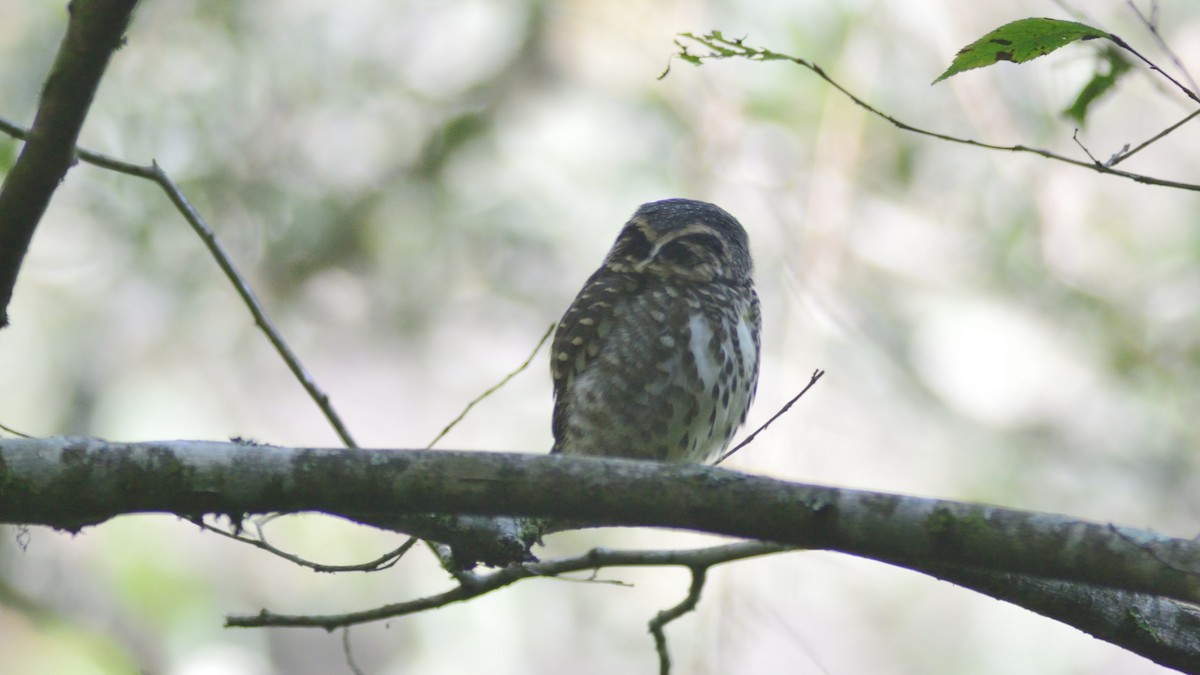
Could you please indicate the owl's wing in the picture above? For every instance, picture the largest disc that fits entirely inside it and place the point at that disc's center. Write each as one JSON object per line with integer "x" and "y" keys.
{"x": 752, "y": 321}
{"x": 581, "y": 334}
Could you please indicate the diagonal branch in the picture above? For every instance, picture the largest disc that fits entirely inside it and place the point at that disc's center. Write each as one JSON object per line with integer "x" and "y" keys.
{"x": 494, "y": 388}
{"x": 817, "y": 375}
{"x": 157, "y": 175}
{"x": 94, "y": 31}
{"x": 1125, "y": 153}
{"x": 1151, "y": 24}
{"x": 1153, "y": 66}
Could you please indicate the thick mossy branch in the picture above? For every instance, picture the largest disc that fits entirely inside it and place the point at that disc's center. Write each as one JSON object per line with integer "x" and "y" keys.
{"x": 71, "y": 482}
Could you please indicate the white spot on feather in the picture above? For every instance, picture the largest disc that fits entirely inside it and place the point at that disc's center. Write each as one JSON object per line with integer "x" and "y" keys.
{"x": 702, "y": 336}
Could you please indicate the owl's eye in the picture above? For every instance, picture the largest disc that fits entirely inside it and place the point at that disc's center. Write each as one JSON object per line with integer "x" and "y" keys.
{"x": 633, "y": 242}
{"x": 693, "y": 249}
{"x": 708, "y": 243}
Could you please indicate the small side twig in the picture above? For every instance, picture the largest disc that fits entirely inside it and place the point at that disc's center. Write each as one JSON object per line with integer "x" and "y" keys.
{"x": 817, "y": 374}
{"x": 14, "y": 432}
{"x": 1084, "y": 148}
{"x": 348, "y": 652}
{"x": 494, "y": 388}
{"x": 1127, "y": 153}
{"x": 383, "y": 562}
{"x": 666, "y": 616}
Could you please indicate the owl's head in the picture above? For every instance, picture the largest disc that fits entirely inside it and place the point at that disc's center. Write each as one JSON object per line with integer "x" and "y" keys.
{"x": 683, "y": 238}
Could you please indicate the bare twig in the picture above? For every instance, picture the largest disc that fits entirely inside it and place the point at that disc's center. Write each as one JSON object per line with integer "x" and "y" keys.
{"x": 1116, "y": 39}
{"x": 256, "y": 308}
{"x": 83, "y": 154}
{"x": 668, "y": 615}
{"x": 493, "y": 389}
{"x": 722, "y": 48}
{"x": 383, "y": 562}
{"x": 1126, "y": 154}
{"x": 473, "y": 585}
{"x": 1151, "y": 24}
{"x": 155, "y": 173}
{"x": 817, "y": 374}
{"x": 1075, "y": 137}
{"x": 349, "y": 653}
{"x": 14, "y": 432}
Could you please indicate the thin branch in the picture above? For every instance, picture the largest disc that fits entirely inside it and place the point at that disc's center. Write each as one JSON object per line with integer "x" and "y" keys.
{"x": 1075, "y": 137}
{"x": 256, "y": 308}
{"x": 1116, "y": 39}
{"x": 474, "y": 585}
{"x": 92, "y": 157}
{"x": 383, "y": 562}
{"x": 155, "y": 173}
{"x": 494, "y": 388}
{"x": 1167, "y": 634}
{"x": 721, "y": 48}
{"x": 1126, "y": 153}
{"x": 666, "y": 616}
{"x": 95, "y": 30}
{"x": 14, "y": 432}
{"x": 595, "y": 579}
{"x": 1151, "y": 24}
{"x": 817, "y": 374}
{"x": 349, "y": 653}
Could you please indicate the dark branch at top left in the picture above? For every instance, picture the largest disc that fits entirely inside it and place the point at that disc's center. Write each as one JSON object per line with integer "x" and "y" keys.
{"x": 95, "y": 30}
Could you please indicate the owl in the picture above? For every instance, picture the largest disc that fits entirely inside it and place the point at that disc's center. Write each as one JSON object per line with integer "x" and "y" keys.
{"x": 657, "y": 357}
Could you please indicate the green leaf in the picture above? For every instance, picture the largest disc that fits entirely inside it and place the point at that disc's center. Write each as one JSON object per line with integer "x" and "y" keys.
{"x": 1111, "y": 65}
{"x": 1018, "y": 42}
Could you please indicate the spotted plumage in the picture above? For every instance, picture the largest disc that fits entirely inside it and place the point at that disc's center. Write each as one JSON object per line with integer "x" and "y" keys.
{"x": 657, "y": 357}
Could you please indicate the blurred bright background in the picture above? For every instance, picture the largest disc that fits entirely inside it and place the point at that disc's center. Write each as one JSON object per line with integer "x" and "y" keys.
{"x": 417, "y": 190}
